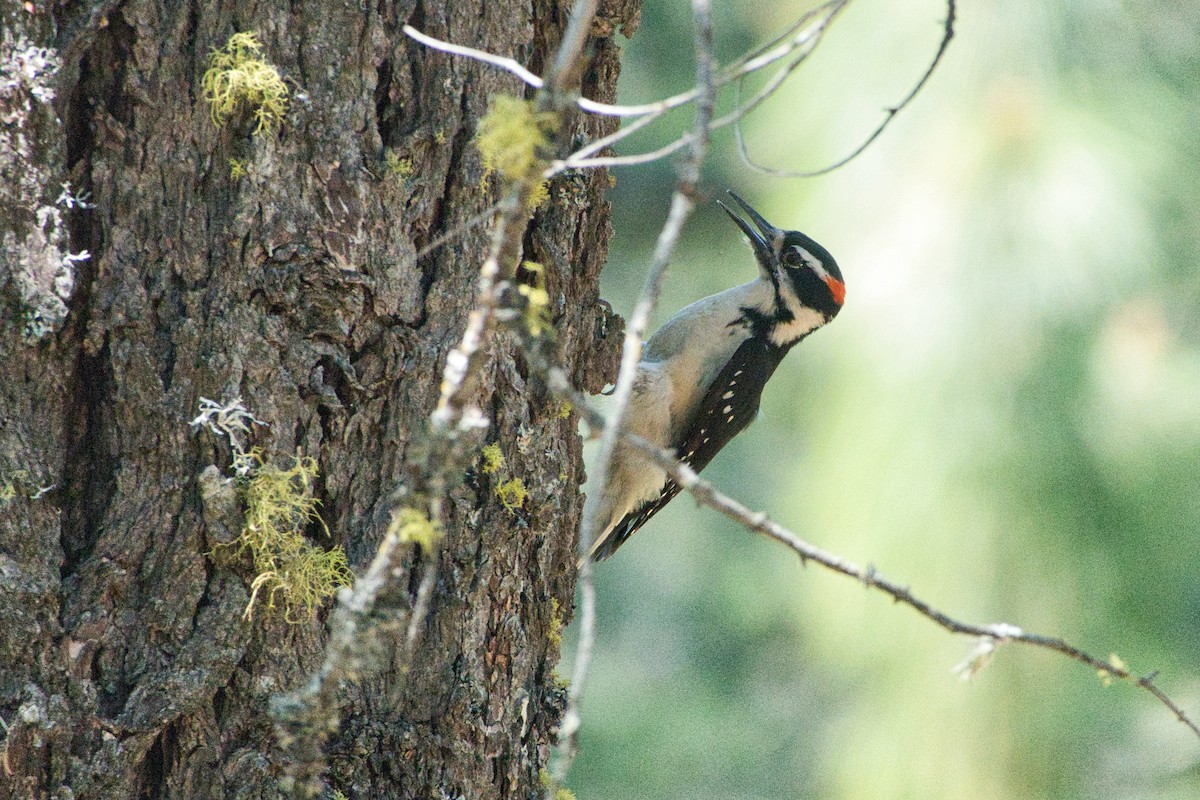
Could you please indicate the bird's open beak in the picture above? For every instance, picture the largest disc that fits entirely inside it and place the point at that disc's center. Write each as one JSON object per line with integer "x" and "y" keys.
{"x": 760, "y": 239}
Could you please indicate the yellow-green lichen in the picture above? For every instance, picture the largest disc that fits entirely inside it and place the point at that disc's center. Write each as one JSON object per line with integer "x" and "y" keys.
{"x": 10, "y": 485}
{"x": 398, "y": 166}
{"x": 512, "y": 494}
{"x": 492, "y": 459}
{"x": 237, "y": 168}
{"x": 292, "y": 574}
{"x": 556, "y": 624}
{"x": 510, "y": 491}
{"x": 537, "y": 301}
{"x": 238, "y": 79}
{"x": 538, "y": 194}
{"x": 415, "y": 527}
{"x": 513, "y": 138}
{"x": 564, "y": 794}
{"x": 564, "y": 410}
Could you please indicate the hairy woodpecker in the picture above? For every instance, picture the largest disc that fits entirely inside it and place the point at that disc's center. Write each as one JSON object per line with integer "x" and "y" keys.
{"x": 702, "y": 374}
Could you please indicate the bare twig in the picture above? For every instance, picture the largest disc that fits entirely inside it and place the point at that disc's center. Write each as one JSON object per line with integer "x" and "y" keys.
{"x": 306, "y": 717}
{"x": 506, "y": 241}
{"x": 889, "y": 114}
{"x": 563, "y": 70}
{"x": 461, "y": 361}
{"x": 568, "y": 727}
{"x": 799, "y": 47}
{"x": 515, "y": 67}
{"x": 757, "y": 521}
{"x": 682, "y": 204}
{"x": 753, "y": 61}
{"x": 705, "y": 494}
{"x": 804, "y": 33}
{"x": 419, "y": 609}
{"x": 798, "y": 34}
{"x": 505, "y": 63}
{"x": 459, "y": 229}
{"x": 797, "y": 42}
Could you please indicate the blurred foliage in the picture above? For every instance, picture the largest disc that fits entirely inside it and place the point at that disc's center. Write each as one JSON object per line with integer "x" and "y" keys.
{"x": 1006, "y": 417}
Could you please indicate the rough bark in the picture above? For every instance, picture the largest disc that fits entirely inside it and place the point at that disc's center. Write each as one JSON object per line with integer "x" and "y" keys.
{"x": 126, "y": 669}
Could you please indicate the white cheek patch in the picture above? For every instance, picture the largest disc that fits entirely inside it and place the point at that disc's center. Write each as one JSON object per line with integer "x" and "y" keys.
{"x": 804, "y": 320}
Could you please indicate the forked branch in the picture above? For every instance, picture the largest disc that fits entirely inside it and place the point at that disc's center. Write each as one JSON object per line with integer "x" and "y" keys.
{"x": 792, "y": 47}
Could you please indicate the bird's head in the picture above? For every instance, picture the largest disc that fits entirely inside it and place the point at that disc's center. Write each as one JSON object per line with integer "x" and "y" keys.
{"x": 797, "y": 266}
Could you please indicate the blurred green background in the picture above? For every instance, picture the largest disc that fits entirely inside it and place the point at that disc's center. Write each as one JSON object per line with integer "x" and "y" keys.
{"x": 1006, "y": 417}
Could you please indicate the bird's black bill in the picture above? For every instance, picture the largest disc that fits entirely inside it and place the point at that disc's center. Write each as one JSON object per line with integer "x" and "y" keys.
{"x": 760, "y": 239}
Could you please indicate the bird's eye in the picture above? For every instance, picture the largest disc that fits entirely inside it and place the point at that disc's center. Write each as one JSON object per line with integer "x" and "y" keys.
{"x": 792, "y": 257}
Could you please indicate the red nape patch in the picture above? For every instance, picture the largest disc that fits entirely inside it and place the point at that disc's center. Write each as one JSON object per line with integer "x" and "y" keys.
{"x": 837, "y": 289}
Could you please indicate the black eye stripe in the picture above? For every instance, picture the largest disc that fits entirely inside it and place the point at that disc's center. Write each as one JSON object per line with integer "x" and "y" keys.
{"x": 797, "y": 256}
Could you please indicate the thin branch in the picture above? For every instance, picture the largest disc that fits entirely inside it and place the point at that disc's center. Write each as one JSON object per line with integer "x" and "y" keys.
{"x": 419, "y": 609}
{"x": 506, "y": 241}
{"x": 566, "y": 58}
{"x": 756, "y": 59}
{"x": 758, "y": 522}
{"x": 889, "y": 114}
{"x": 305, "y": 718}
{"x": 462, "y": 360}
{"x": 681, "y": 207}
{"x": 796, "y": 38}
{"x": 799, "y": 34}
{"x": 800, "y": 47}
{"x": 568, "y": 728}
{"x": 564, "y": 69}
{"x": 705, "y": 494}
{"x": 460, "y": 228}
{"x": 503, "y": 62}
{"x": 530, "y": 79}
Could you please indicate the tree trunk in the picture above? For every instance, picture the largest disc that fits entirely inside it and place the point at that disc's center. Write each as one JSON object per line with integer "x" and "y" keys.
{"x": 280, "y": 267}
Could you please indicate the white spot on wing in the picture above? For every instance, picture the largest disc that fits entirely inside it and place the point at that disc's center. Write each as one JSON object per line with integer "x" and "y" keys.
{"x": 727, "y": 395}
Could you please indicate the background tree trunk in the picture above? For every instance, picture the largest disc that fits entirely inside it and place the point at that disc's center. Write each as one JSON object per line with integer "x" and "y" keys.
{"x": 127, "y": 670}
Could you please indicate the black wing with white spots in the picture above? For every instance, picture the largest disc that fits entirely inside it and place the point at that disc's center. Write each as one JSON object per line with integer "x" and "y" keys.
{"x": 729, "y": 406}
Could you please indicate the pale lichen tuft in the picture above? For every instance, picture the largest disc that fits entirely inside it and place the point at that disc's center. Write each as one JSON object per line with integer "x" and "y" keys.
{"x": 512, "y": 494}
{"x": 411, "y": 526}
{"x": 512, "y": 138}
{"x": 238, "y": 79}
